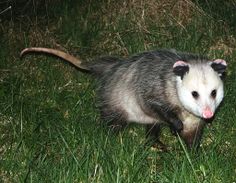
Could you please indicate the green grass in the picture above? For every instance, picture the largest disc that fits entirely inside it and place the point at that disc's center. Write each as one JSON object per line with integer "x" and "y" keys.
{"x": 50, "y": 129}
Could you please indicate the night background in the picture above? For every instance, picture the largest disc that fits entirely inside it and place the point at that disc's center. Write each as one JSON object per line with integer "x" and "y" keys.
{"x": 50, "y": 129}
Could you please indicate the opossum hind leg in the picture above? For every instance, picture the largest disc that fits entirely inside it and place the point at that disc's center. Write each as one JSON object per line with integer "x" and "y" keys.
{"x": 153, "y": 132}
{"x": 115, "y": 120}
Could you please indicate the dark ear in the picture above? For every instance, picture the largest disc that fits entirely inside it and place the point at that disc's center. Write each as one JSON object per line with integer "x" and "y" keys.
{"x": 219, "y": 66}
{"x": 180, "y": 68}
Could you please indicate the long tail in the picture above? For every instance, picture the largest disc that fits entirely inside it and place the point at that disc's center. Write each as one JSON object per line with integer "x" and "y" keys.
{"x": 65, "y": 56}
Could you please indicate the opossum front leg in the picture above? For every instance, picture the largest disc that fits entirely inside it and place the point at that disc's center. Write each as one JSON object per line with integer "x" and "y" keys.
{"x": 192, "y": 130}
{"x": 168, "y": 115}
{"x": 193, "y": 138}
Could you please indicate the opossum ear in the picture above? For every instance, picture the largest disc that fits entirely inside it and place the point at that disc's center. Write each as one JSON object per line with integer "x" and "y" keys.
{"x": 219, "y": 66}
{"x": 180, "y": 68}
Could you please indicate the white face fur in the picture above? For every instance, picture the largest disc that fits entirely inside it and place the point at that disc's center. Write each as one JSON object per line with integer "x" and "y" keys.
{"x": 200, "y": 90}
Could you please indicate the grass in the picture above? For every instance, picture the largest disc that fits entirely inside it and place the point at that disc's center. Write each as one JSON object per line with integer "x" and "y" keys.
{"x": 50, "y": 129}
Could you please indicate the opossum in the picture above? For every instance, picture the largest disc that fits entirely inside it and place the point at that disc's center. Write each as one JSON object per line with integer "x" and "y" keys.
{"x": 181, "y": 90}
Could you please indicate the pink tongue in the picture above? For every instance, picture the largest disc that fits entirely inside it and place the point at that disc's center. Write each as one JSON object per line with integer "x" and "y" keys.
{"x": 207, "y": 113}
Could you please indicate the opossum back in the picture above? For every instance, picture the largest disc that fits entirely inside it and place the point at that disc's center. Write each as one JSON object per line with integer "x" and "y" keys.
{"x": 102, "y": 64}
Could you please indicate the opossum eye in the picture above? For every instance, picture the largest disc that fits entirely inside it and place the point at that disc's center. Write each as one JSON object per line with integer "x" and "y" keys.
{"x": 213, "y": 94}
{"x": 195, "y": 94}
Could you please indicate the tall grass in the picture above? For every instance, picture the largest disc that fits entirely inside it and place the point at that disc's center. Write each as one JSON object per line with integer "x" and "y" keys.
{"x": 50, "y": 130}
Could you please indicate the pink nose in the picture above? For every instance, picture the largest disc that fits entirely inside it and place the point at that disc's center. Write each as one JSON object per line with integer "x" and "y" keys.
{"x": 207, "y": 113}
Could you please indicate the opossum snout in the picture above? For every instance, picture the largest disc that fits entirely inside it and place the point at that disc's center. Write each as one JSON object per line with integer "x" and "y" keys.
{"x": 207, "y": 113}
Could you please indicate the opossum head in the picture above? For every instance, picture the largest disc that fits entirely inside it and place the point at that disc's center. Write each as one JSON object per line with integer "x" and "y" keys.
{"x": 199, "y": 86}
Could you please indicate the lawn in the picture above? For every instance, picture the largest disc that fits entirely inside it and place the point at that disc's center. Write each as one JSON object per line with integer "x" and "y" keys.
{"x": 50, "y": 128}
